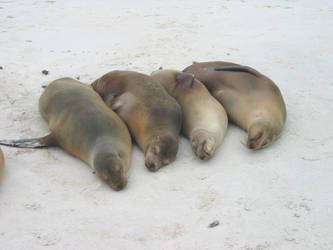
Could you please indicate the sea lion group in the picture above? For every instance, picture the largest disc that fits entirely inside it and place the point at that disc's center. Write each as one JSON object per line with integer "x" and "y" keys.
{"x": 95, "y": 123}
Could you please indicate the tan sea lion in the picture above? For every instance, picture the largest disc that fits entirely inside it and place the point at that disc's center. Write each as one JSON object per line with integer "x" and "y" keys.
{"x": 2, "y": 163}
{"x": 204, "y": 119}
{"x": 152, "y": 116}
{"x": 85, "y": 127}
{"x": 252, "y": 100}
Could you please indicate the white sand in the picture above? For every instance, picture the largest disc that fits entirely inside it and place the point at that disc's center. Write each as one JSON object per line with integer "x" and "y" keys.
{"x": 277, "y": 198}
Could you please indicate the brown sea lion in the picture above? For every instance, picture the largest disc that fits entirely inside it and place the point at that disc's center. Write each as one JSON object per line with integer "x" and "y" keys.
{"x": 252, "y": 100}
{"x": 85, "y": 127}
{"x": 204, "y": 119}
{"x": 2, "y": 163}
{"x": 152, "y": 116}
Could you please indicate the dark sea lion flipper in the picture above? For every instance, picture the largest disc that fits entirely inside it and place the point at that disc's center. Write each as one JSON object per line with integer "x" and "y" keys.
{"x": 41, "y": 142}
{"x": 238, "y": 69}
{"x": 185, "y": 79}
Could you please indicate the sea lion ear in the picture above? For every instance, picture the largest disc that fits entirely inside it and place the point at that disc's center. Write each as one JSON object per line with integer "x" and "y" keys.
{"x": 185, "y": 79}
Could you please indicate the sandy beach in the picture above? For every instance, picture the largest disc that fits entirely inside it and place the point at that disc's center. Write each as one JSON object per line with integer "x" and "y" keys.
{"x": 276, "y": 198}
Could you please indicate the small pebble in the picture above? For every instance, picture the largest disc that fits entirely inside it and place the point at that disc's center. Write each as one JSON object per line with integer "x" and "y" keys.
{"x": 215, "y": 223}
{"x": 45, "y": 72}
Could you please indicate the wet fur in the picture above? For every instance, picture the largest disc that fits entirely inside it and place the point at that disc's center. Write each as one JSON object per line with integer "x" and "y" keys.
{"x": 251, "y": 100}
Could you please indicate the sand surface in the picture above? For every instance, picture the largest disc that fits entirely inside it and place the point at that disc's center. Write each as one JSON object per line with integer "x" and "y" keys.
{"x": 276, "y": 198}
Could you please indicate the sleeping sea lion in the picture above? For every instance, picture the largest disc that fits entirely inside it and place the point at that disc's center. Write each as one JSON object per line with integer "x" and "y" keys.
{"x": 204, "y": 119}
{"x": 86, "y": 128}
{"x": 151, "y": 114}
{"x": 252, "y": 100}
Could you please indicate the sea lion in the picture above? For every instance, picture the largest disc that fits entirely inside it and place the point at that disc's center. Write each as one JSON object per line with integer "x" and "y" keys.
{"x": 86, "y": 128}
{"x": 153, "y": 117}
{"x": 204, "y": 119}
{"x": 2, "y": 163}
{"x": 252, "y": 100}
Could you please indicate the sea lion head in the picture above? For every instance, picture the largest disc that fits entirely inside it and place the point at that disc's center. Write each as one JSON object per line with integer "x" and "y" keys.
{"x": 110, "y": 168}
{"x": 161, "y": 151}
{"x": 260, "y": 135}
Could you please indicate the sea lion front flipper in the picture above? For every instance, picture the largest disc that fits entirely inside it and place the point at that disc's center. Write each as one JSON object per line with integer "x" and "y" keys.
{"x": 123, "y": 103}
{"x": 41, "y": 142}
{"x": 238, "y": 69}
{"x": 185, "y": 79}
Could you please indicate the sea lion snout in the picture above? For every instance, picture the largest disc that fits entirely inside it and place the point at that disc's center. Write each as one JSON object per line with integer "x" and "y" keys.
{"x": 203, "y": 144}
{"x": 110, "y": 168}
{"x": 260, "y": 135}
{"x": 161, "y": 151}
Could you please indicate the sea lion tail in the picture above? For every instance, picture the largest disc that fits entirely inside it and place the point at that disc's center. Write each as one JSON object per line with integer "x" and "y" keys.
{"x": 238, "y": 69}
{"x": 41, "y": 142}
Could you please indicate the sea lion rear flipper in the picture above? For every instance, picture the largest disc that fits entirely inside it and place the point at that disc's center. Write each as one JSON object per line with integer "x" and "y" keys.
{"x": 41, "y": 142}
{"x": 238, "y": 69}
{"x": 185, "y": 79}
